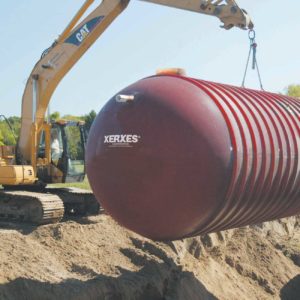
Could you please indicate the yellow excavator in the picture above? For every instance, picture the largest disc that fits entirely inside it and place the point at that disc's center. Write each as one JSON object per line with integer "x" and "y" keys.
{"x": 53, "y": 152}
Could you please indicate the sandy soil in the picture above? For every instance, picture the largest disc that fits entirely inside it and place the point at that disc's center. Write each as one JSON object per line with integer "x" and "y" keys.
{"x": 94, "y": 258}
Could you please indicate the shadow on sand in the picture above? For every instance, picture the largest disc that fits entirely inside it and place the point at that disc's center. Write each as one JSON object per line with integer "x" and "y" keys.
{"x": 157, "y": 277}
{"x": 27, "y": 228}
{"x": 291, "y": 291}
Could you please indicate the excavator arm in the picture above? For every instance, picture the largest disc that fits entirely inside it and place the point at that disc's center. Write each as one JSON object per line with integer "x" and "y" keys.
{"x": 75, "y": 41}
{"x": 226, "y": 10}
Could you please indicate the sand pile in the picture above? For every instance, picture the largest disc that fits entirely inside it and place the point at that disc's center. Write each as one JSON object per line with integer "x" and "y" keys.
{"x": 94, "y": 258}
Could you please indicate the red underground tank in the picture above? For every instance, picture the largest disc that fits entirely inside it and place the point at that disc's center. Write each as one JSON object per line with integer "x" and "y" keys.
{"x": 171, "y": 157}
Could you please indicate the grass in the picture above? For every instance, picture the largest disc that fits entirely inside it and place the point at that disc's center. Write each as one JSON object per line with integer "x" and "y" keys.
{"x": 81, "y": 185}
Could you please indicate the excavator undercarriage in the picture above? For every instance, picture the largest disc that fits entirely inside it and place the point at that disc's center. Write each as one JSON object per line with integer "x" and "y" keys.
{"x": 49, "y": 205}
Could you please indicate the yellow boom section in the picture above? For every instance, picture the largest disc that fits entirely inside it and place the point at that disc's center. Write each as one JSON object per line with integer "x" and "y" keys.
{"x": 49, "y": 71}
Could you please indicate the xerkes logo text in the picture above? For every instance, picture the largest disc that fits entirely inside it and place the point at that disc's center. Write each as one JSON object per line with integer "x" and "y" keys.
{"x": 121, "y": 140}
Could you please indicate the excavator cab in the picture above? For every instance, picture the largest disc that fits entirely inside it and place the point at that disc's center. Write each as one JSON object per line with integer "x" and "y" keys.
{"x": 59, "y": 159}
{"x": 66, "y": 150}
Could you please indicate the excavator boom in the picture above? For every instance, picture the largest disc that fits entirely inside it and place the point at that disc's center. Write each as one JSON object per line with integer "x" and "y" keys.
{"x": 227, "y": 11}
{"x": 75, "y": 41}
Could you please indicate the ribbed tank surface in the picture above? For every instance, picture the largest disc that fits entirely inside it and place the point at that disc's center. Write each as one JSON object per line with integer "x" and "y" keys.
{"x": 171, "y": 157}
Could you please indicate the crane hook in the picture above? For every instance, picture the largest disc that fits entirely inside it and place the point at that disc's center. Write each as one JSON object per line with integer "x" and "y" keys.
{"x": 253, "y": 51}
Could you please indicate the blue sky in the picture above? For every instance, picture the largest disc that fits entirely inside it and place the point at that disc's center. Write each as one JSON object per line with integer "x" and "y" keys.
{"x": 144, "y": 38}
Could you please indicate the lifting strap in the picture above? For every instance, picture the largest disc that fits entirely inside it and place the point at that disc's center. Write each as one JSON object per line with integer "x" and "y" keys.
{"x": 253, "y": 51}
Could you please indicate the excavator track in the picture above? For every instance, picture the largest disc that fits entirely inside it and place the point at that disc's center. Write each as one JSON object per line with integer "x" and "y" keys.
{"x": 32, "y": 207}
{"x": 48, "y": 206}
{"x": 77, "y": 202}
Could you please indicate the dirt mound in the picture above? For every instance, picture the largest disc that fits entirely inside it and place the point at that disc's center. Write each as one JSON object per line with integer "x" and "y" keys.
{"x": 94, "y": 258}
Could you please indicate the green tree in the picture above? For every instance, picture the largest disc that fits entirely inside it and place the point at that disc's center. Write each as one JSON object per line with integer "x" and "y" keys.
{"x": 55, "y": 116}
{"x": 15, "y": 123}
{"x": 89, "y": 119}
{"x": 1, "y": 139}
{"x": 7, "y": 136}
{"x": 7, "y": 133}
{"x": 72, "y": 118}
{"x": 293, "y": 90}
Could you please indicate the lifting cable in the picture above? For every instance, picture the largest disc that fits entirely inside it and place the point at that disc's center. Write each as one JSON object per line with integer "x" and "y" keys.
{"x": 253, "y": 51}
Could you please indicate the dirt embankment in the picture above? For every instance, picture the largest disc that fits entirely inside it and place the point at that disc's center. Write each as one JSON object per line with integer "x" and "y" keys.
{"x": 94, "y": 258}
